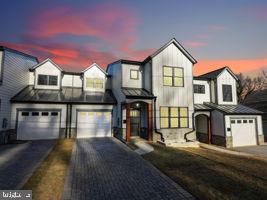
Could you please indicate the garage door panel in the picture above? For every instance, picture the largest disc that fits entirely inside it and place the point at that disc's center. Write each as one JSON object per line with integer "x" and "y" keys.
{"x": 93, "y": 124}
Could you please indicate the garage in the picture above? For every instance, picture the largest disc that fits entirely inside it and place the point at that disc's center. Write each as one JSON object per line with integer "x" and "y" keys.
{"x": 35, "y": 125}
{"x": 243, "y": 132}
{"x": 94, "y": 123}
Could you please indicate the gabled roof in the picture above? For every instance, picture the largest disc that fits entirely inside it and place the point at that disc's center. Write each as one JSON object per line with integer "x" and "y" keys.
{"x": 46, "y": 60}
{"x": 96, "y": 65}
{"x": 214, "y": 74}
{"x": 3, "y": 48}
{"x": 178, "y": 45}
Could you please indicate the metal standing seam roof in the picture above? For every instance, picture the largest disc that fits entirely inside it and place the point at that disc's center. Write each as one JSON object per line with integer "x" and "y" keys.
{"x": 137, "y": 93}
{"x": 233, "y": 109}
{"x": 65, "y": 95}
{"x": 202, "y": 107}
{"x": 257, "y": 97}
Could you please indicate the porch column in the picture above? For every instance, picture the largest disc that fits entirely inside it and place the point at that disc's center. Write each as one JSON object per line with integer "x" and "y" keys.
{"x": 150, "y": 120}
{"x": 209, "y": 130}
{"x": 128, "y": 122}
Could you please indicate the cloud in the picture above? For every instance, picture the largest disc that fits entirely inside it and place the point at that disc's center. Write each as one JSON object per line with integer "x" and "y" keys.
{"x": 258, "y": 12}
{"x": 217, "y": 27}
{"x": 195, "y": 44}
{"x": 241, "y": 65}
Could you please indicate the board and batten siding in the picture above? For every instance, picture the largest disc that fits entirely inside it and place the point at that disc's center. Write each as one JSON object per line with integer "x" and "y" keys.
{"x": 126, "y": 79}
{"x": 201, "y": 98}
{"x": 172, "y": 96}
{"x": 147, "y": 76}
{"x": 15, "y": 78}
{"x": 226, "y": 78}
{"x": 69, "y": 80}
{"x": 47, "y": 68}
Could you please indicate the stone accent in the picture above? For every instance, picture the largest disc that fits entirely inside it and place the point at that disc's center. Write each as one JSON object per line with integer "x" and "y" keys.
{"x": 218, "y": 140}
{"x": 260, "y": 139}
{"x": 229, "y": 142}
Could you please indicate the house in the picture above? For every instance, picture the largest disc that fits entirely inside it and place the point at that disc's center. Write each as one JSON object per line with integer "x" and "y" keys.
{"x": 258, "y": 100}
{"x": 219, "y": 119}
{"x": 14, "y": 75}
{"x": 157, "y": 99}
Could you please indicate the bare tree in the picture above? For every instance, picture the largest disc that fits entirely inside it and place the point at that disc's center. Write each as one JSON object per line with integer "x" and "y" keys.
{"x": 247, "y": 85}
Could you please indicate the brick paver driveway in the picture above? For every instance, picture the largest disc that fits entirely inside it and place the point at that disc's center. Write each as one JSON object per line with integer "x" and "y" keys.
{"x": 18, "y": 161}
{"x": 104, "y": 168}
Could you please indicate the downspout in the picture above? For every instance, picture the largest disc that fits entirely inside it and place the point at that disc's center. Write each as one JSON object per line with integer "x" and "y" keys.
{"x": 70, "y": 121}
{"x": 155, "y": 123}
{"x": 194, "y": 129}
{"x": 67, "y": 122}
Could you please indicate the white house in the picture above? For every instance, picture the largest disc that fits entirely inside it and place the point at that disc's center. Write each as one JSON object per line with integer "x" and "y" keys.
{"x": 157, "y": 99}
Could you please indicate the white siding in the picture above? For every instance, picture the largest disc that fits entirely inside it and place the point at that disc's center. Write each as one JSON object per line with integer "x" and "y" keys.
{"x": 126, "y": 80}
{"x": 226, "y": 78}
{"x": 31, "y": 78}
{"x": 48, "y": 68}
{"x": 69, "y": 80}
{"x": 1, "y": 57}
{"x": 172, "y": 96}
{"x": 217, "y": 121}
{"x": 201, "y": 98}
{"x": 15, "y": 78}
{"x": 213, "y": 91}
{"x": 94, "y": 72}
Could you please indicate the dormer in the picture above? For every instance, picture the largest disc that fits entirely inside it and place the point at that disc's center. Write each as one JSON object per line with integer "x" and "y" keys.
{"x": 46, "y": 75}
{"x": 94, "y": 78}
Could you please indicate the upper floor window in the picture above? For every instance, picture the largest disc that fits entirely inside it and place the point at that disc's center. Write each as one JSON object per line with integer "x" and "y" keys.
{"x": 47, "y": 80}
{"x": 97, "y": 83}
{"x": 227, "y": 93}
{"x": 199, "y": 89}
{"x": 174, "y": 117}
{"x": 134, "y": 74}
{"x": 173, "y": 76}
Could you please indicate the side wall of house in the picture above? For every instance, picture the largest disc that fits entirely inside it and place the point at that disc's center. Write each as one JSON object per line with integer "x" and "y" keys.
{"x": 69, "y": 80}
{"x": 126, "y": 79}
{"x": 201, "y": 98}
{"x": 173, "y": 96}
{"x": 147, "y": 76}
{"x": 15, "y": 78}
{"x": 218, "y": 128}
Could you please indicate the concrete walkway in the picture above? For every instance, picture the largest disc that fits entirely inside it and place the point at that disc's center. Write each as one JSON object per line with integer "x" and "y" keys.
{"x": 18, "y": 161}
{"x": 104, "y": 168}
{"x": 260, "y": 150}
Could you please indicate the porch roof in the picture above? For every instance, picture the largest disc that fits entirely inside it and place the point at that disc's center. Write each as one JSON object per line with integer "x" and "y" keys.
{"x": 202, "y": 107}
{"x": 238, "y": 109}
{"x": 137, "y": 93}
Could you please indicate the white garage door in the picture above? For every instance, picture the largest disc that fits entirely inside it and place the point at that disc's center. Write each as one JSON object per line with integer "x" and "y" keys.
{"x": 35, "y": 125}
{"x": 93, "y": 124}
{"x": 243, "y": 132}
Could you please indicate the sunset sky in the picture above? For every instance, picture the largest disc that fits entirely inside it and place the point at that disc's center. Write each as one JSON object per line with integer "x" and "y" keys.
{"x": 76, "y": 33}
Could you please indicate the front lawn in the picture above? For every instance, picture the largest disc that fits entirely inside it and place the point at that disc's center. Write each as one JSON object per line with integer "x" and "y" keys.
{"x": 47, "y": 181}
{"x": 209, "y": 174}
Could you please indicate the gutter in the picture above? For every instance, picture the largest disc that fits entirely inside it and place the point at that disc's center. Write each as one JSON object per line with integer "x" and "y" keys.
{"x": 194, "y": 128}
{"x": 155, "y": 123}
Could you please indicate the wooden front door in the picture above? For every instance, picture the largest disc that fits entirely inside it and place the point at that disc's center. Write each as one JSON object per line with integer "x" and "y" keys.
{"x": 135, "y": 122}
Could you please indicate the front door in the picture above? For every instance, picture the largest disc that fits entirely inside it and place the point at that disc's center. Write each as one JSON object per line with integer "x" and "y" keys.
{"x": 135, "y": 122}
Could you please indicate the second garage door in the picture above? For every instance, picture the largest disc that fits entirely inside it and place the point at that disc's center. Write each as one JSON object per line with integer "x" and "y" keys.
{"x": 243, "y": 132}
{"x": 93, "y": 124}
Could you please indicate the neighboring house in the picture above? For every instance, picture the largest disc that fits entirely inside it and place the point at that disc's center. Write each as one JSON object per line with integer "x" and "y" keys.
{"x": 14, "y": 75}
{"x": 258, "y": 100}
{"x": 58, "y": 104}
{"x": 219, "y": 118}
{"x": 156, "y": 99}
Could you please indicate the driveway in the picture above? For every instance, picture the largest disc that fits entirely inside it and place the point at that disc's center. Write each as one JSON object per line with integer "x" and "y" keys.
{"x": 260, "y": 150}
{"x": 18, "y": 161}
{"x": 104, "y": 168}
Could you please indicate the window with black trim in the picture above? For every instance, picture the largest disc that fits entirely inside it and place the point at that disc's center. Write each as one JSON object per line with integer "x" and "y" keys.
{"x": 134, "y": 74}
{"x": 174, "y": 117}
{"x": 54, "y": 113}
{"x": 199, "y": 89}
{"x": 47, "y": 80}
{"x": 24, "y": 113}
{"x": 35, "y": 113}
{"x": 173, "y": 76}
{"x": 45, "y": 113}
{"x": 227, "y": 93}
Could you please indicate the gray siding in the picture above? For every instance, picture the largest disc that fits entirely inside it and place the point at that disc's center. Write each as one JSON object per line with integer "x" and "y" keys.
{"x": 217, "y": 121}
{"x": 147, "y": 76}
{"x": 15, "y": 77}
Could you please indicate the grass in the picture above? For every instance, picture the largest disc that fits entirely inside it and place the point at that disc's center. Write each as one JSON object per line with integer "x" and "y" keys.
{"x": 209, "y": 174}
{"x": 47, "y": 181}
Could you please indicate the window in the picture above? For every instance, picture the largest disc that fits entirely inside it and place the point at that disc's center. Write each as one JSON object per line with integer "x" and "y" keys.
{"x": 245, "y": 121}
{"x": 173, "y": 117}
{"x": 44, "y": 113}
{"x": 173, "y": 76}
{"x": 54, "y": 113}
{"x": 134, "y": 74}
{"x": 35, "y": 113}
{"x": 25, "y": 114}
{"x": 250, "y": 121}
{"x": 232, "y": 121}
{"x": 227, "y": 93}
{"x": 199, "y": 89}
{"x": 239, "y": 121}
{"x": 97, "y": 83}
{"x": 47, "y": 80}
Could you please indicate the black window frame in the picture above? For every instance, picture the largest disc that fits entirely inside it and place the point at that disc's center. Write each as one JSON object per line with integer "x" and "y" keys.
{"x": 34, "y": 113}
{"x": 44, "y": 113}
{"x": 25, "y": 113}
{"x": 227, "y": 97}
{"x": 199, "y": 89}
{"x": 136, "y": 70}
{"x": 54, "y": 113}
{"x": 48, "y": 80}
{"x": 173, "y": 76}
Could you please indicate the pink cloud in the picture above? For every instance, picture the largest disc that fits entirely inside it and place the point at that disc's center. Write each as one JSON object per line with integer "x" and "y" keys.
{"x": 238, "y": 65}
{"x": 195, "y": 44}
